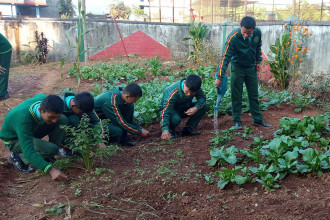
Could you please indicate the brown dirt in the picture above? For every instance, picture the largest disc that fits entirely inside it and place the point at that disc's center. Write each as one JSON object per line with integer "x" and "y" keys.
{"x": 155, "y": 179}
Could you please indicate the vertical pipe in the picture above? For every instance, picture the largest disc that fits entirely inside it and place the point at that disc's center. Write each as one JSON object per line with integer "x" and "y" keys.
{"x": 212, "y": 11}
{"x": 245, "y": 8}
{"x": 160, "y": 11}
{"x": 173, "y": 10}
{"x": 321, "y": 10}
{"x": 294, "y": 7}
{"x": 121, "y": 38}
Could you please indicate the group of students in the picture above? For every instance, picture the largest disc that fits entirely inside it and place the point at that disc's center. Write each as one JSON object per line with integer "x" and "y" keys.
{"x": 25, "y": 125}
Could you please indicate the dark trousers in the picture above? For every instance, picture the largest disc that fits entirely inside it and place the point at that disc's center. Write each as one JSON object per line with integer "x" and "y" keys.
{"x": 250, "y": 78}
{"x": 4, "y": 62}
{"x": 45, "y": 149}
{"x": 193, "y": 121}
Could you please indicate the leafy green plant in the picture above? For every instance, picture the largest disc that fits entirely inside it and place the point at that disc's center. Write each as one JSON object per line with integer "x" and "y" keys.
{"x": 55, "y": 210}
{"x": 197, "y": 34}
{"x": 230, "y": 175}
{"x": 39, "y": 52}
{"x": 85, "y": 139}
{"x": 302, "y": 101}
{"x": 221, "y": 156}
{"x": 154, "y": 65}
{"x": 63, "y": 164}
{"x": 265, "y": 177}
{"x": 314, "y": 160}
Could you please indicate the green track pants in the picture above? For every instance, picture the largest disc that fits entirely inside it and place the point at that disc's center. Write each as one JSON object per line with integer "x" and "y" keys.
{"x": 193, "y": 121}
{"x": 46, "y": 149}
{"x": 250, "y": 78}
{"x": 4, "y": 62}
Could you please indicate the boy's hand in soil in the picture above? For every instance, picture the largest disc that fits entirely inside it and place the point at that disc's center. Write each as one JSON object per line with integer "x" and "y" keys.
{"x": 56, "y": 174}
{"x": 144, "y": 132}
{"x": 191, "y": 111}
{"x": 165, "y": 135}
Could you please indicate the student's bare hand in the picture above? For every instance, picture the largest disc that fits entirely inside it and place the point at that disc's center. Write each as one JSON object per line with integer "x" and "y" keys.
{"x": 165, "y": 135}
{"x": 217, "y": 83}
{"x": 144, "y": 132}
{"x": 56, "y": 174}
{"x": 2, "y": 69}
{"x": 258, "y": 67}
{"x": 191, "y": 111}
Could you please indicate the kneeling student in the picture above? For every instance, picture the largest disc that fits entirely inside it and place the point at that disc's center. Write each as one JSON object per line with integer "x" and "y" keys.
{"x": 75, "y": 105}
{"x": 118, "y": 106}
{"x": 177, "y": 104}
{"x": 23, "y": 128}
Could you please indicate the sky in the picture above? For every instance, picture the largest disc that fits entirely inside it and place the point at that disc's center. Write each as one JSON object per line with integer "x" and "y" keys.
{"x": 102, "y": 6}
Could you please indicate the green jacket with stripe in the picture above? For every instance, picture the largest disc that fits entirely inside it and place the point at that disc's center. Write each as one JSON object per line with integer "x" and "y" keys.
{"x": 5, "y": 46}
{"x": 68, "y": 111}
{"x": 20, "y": 123}
{"x": 241, "y": 52}
{"x": 174, "y": 98}
{"x": 108, "y": 104}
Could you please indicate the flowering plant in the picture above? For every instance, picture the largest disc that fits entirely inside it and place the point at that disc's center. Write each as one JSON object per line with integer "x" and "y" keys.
{"x": 197, "y": 33}
{"x": 288, "y": 54}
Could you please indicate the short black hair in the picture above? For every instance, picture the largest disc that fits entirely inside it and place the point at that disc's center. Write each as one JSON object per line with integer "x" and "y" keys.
{"x": 193, "y": 82}
{"x": 133, "y": 90}
{"x": 248, "y": 22}
{"x": 52, "y": 103}
{"x": 84, "y": 101}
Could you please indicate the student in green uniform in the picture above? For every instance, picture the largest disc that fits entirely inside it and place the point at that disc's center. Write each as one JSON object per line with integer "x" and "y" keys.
{"x": 118, "y": 106}
{"x": 177, "y": 104}
{"x": 75, "y": 105}
{"x": 5, "y": 57}
{"x": 23, "y": 129}
{"x": 243, "y": 51}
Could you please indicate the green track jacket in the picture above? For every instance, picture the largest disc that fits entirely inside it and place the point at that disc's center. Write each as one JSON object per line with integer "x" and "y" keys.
{"x": 20, "y": 123}
{"x": 5, "y": 46}
{"x": 239, "y": 51}
{"x": 174, "y": 98}
{"x": 108, "y": 104}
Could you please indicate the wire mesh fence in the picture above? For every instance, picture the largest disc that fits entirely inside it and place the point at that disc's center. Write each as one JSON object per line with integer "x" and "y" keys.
{"x": 217, "y": 11}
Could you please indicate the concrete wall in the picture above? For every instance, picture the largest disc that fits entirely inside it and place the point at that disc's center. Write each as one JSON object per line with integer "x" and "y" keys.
{"x": 61, "y": 34}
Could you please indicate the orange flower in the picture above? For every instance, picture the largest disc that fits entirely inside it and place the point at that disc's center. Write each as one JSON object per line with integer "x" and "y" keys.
{"x": 291, "y": 62}
{"x": 301, "y": 27}
{"x": 296, "y": 74}
{"x": 288, "y": 42}
{"x": 300, "y": 59}
{"x": 304, "y": 50}
{"x": 298, "y": 24}
{"x": 309, "y": 49}
{"x": 310, "y": 34}
{"x": 296, "y": 56}
{"x": 290, "y": 32}
{"x": 289, "y": 59}
{"x": 282, "y": 48}
{"x": 290, "y": 37}
{"x": 281, "y": 52}
{"x": 294, "y": 40}
{"x": 293, "y": 57}
{"x": 276, "y": 48}
{"x": 294, "y": 44}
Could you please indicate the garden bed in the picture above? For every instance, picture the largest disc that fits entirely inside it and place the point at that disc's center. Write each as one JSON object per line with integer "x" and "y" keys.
{"x": 155, "y": 179}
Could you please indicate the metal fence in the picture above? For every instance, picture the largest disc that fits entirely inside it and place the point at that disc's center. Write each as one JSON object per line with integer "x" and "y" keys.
{"x": 217, "y": 11}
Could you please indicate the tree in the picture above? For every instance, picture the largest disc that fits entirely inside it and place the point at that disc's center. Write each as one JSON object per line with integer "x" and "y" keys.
{"x": 65, "y": 7}
{"x": 120, "y": 10}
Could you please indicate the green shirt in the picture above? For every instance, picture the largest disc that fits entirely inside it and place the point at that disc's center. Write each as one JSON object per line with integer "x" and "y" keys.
{"x": 5, "y": 46}
{"x": 68, "y": 111}
{"x": 20, "y": 123}
{"x": 108, "y": 104}
{"x": 242, "y": 52}
{"x": 174, "y": 98}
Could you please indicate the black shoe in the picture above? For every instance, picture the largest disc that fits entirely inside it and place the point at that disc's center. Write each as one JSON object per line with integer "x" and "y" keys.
{"x": 261, "y": 123}
{"x": 125, "y": 141}
{"x": 19, "y": 165}
{"x": 4, "y": 97}
{"x": 173, "y": 134}
{"x": 187, "y": 131}
{"x": 64, "y": 153}
{"x": 238, "y": 126}
{"x": 51, "y": 160}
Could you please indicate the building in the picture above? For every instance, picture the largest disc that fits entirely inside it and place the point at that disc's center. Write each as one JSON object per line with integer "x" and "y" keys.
{"x": 29, "y": 8}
